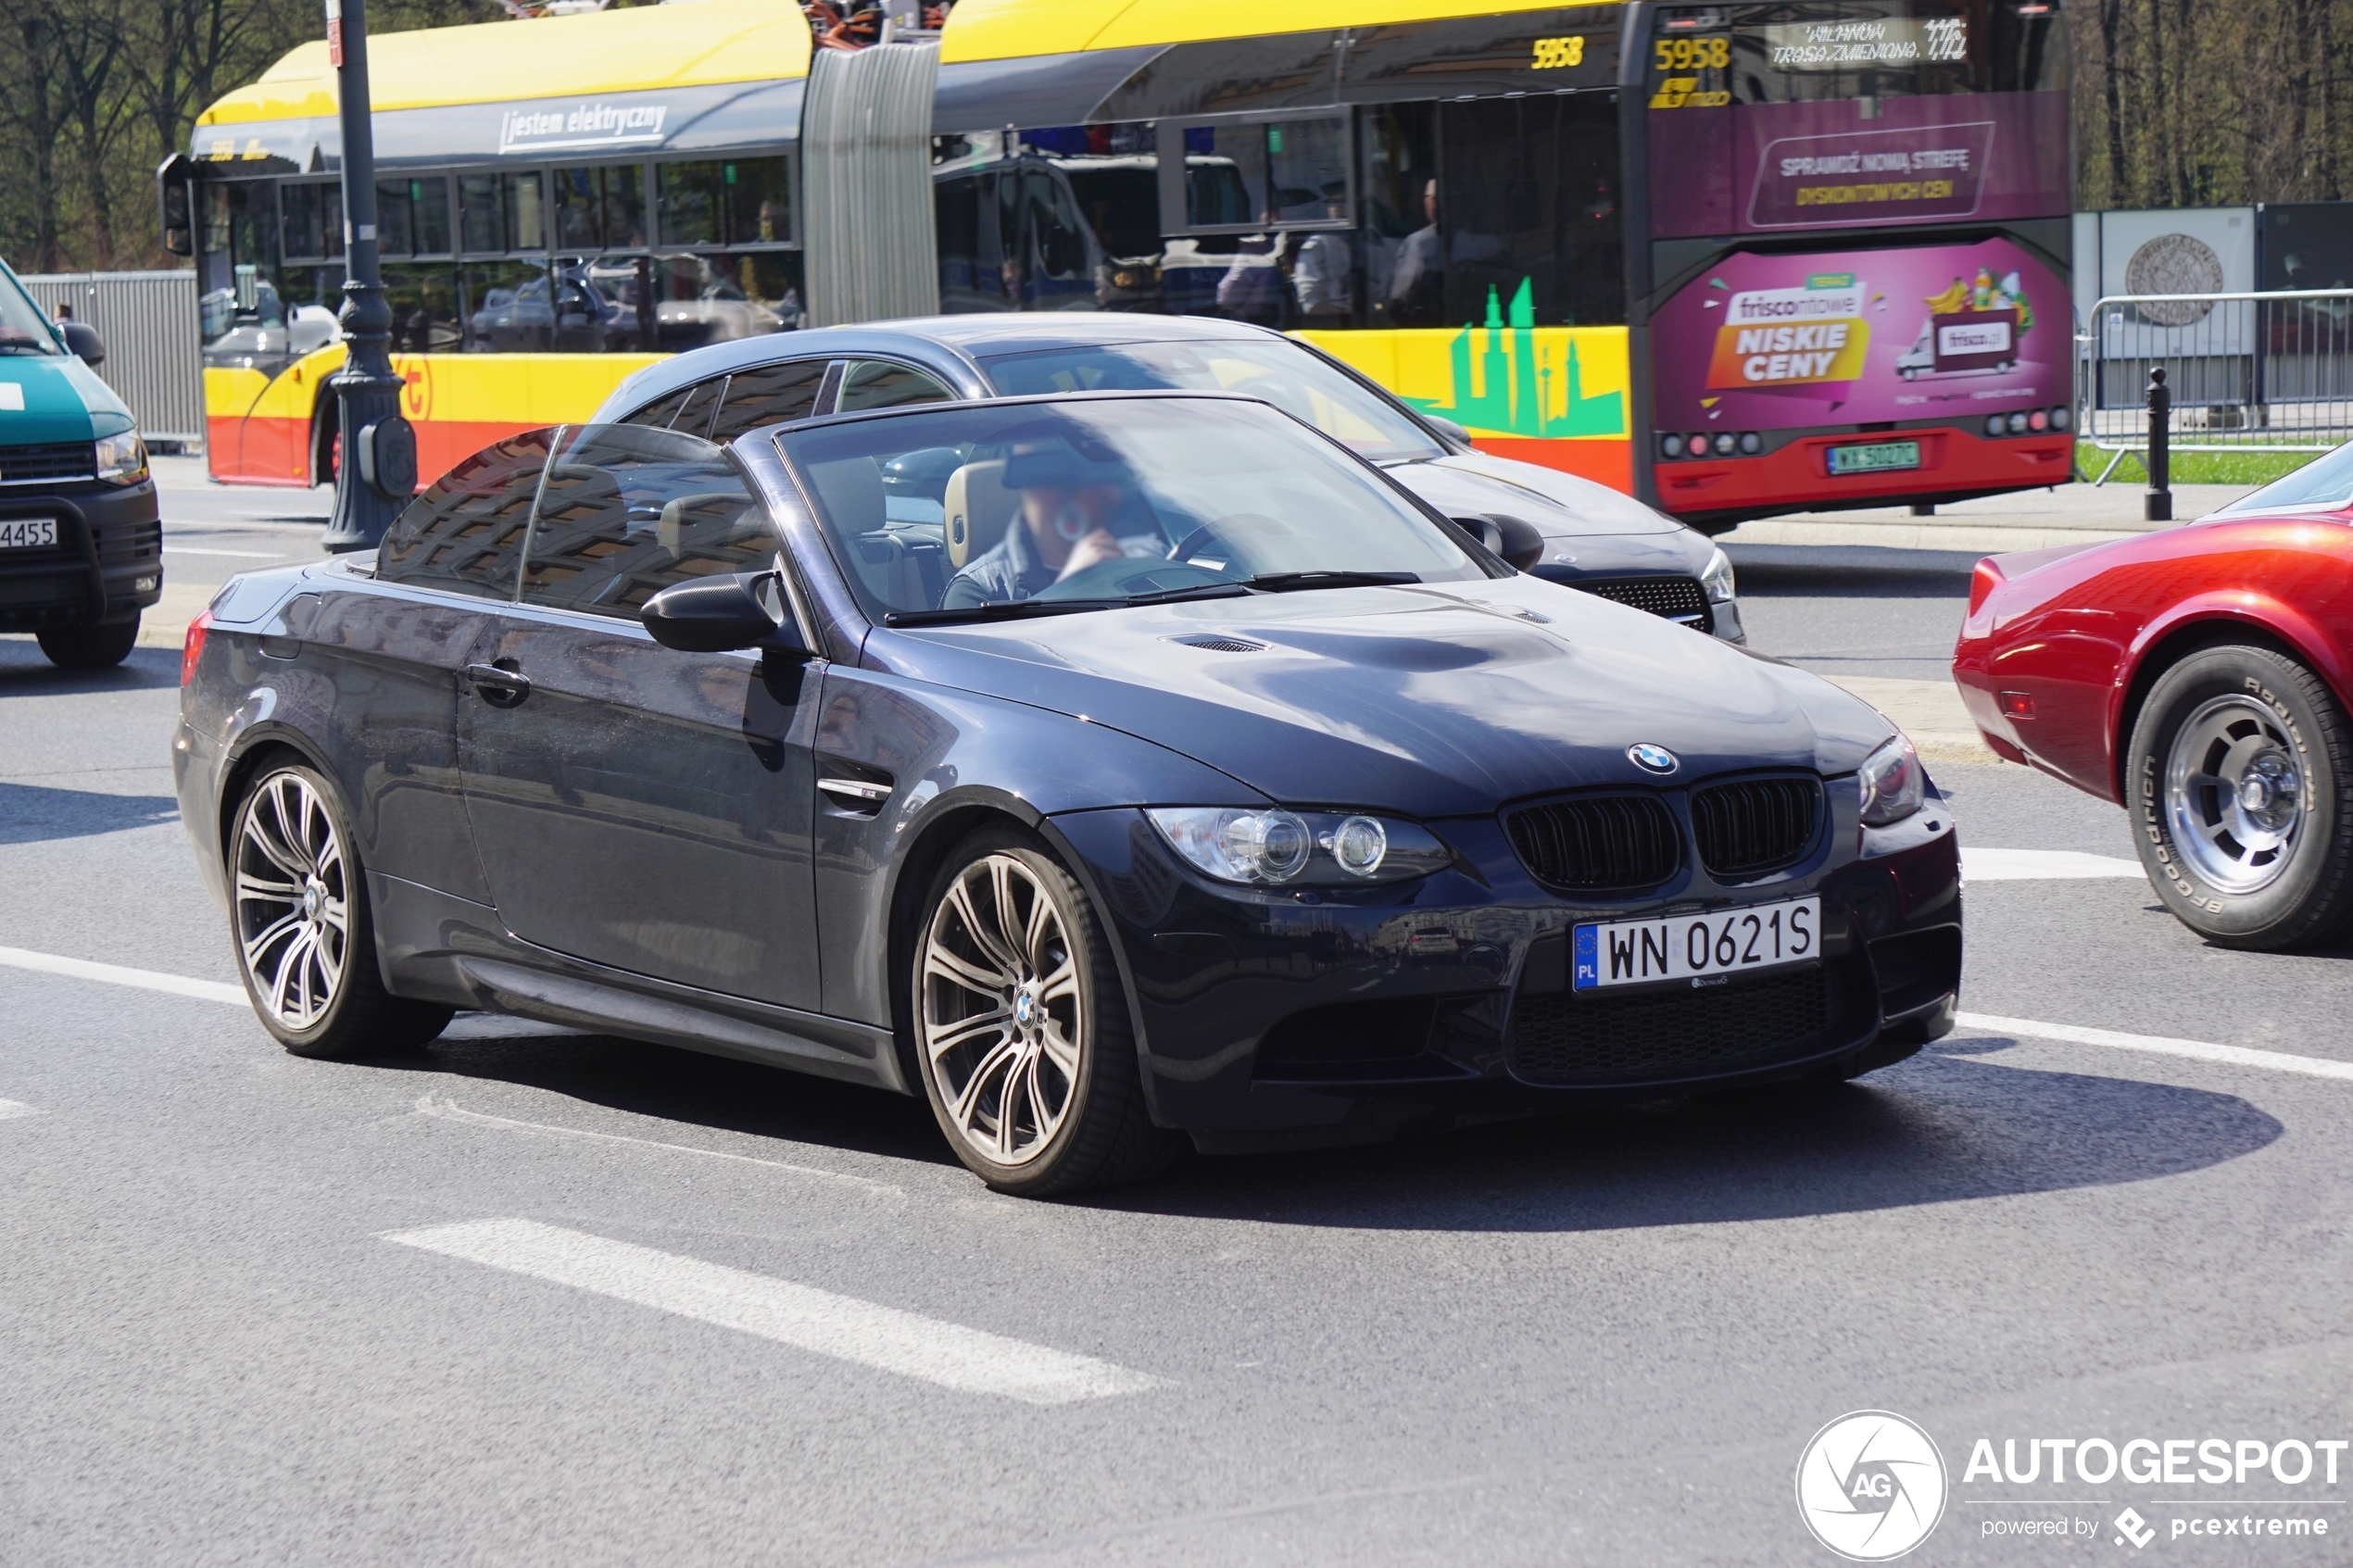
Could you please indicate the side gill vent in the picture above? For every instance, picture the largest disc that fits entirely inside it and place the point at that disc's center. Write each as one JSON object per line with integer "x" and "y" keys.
{"x": 1222, "y": 644}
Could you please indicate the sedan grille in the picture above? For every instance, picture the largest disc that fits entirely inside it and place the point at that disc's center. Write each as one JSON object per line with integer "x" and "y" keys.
{"x": 1566, "y": 1039}
{"x": 1753, "y": 826}
{"x": 56, "y": 460}
{"x": 1601, "y": 842}
{"x": 1676, "y": 598}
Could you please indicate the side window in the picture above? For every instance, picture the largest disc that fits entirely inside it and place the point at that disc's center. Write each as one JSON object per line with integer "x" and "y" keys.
{"x": 627, "y": 511}
{"x": 687, "y": 409}
{"x": 768, "y": 395}
{"x": 879, "y": 383}
{"x": 465, "y": 534}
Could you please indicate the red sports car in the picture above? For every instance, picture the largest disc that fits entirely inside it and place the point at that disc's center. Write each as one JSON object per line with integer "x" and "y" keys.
{"x": 2200, "y": 677}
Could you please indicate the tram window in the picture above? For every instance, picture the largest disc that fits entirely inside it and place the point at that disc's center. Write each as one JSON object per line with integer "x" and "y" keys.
{"x": 969, "y": 277}
{"x": 429, "y": 215}
{"x": 691, "y": 200}
{"x": 481, "y": 225}
{"x": 738, "y": 201}
{"x": 768, "y": 395}
{"x": 392, "y": 218}
{"x": 1122, "y": 205}
{"x": 526, "y": 213}
{"x": 423, "y": 301}
{"x": 573, "y": 207}
{"x": 1292, "y": 173}
{"x": 314, "y": 218}
{"x": 1527, "y": 202}
{"x": 505, "y": 307}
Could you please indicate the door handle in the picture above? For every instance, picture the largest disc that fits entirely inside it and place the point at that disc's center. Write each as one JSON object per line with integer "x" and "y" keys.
{"x": 497, "y": 686}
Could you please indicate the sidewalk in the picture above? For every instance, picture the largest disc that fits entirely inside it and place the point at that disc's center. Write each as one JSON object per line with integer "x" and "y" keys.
{"x": 2027, "y": 520}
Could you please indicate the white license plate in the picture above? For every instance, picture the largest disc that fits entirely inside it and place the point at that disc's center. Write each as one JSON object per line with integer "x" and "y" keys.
{"x": 27, "y": 534}
{"x": 1742, "y": 941}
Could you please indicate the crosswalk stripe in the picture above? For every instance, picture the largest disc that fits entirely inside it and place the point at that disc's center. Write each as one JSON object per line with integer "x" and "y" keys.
{"x": 969, "y": 1359}
{"x": 2044, "y": 865}
{"x": 2158, "y": 1044}
{"x": 116, "y": 975}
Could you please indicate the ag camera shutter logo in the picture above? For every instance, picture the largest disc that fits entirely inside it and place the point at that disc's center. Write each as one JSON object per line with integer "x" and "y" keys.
{"x": 1872, "y": 1485}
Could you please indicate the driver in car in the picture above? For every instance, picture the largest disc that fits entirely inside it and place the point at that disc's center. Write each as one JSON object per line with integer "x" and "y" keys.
{"x": 1070, "y": 507}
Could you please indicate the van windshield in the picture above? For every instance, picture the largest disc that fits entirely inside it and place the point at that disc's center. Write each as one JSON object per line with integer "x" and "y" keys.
{"x": 23, "y": 329}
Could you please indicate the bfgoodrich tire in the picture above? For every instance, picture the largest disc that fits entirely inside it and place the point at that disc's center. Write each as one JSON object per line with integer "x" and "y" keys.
{"x": 90, "y": 648}
{"x": 298, "y": 915}
{"x": 1021, "y": 1028}
{"x": 2239, "y": 775}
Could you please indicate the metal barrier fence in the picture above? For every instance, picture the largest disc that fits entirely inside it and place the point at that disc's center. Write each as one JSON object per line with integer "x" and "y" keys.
{"x": 149, "y": 322}
{"x": 2249, "y": 373}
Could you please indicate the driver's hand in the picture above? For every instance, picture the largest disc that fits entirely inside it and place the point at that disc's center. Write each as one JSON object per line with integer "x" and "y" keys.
{"x": 1093, "y": 550}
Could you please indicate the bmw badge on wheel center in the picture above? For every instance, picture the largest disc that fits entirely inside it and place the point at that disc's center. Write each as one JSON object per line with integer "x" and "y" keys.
{"x": 1110, "y": 771}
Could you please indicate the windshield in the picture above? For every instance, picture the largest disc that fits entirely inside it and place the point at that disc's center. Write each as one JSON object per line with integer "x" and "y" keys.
{"x": 1282, "y": 373}
{"x": 977, "y": 509}
{"x": 2326, "y": 481}
{"x": 22, "y": 331}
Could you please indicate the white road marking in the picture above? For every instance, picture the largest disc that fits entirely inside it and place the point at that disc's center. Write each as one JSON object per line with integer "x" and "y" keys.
{"x": 2043, "y": 865}
{"x": 241, "y": 555}
{"x": 2158, "y": 1044}
{"x": 115, "y": 974}
{"x": 448, "y": 1111}
{"x": 13, "y": 1108}
{"x": 841, "y": 1327}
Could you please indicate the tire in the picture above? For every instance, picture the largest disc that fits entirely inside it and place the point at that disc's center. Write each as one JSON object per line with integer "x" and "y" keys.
{"x": 90, "y": 648}
{"x": 298, "y": 918}
{"x": 1014, "y": 984}
{"x": 2239, "y": 777}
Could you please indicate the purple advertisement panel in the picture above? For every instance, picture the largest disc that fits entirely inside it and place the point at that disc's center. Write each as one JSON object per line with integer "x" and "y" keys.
{"x": 1853, "y": 336}
{"x": 1763, "y": 167}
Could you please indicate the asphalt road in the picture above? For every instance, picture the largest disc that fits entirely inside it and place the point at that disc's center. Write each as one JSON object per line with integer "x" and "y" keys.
{"x": 525, "y": 1298}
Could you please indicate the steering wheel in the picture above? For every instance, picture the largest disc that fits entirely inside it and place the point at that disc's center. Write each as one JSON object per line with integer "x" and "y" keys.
{"x": 1212, "y": 533}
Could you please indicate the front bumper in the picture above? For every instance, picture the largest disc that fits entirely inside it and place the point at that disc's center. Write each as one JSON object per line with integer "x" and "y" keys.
{"x": 1274, "y": 1018}
{"x": 107, "y": 565}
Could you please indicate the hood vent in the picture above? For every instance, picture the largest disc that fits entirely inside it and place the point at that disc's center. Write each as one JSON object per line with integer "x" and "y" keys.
{"x": 1222, "y": 644}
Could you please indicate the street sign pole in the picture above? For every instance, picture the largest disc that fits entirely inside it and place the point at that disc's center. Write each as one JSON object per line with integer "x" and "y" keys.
{"x": 376, "y": 473}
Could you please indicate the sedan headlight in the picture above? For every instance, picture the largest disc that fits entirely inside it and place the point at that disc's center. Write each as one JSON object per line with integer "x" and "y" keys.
{"x": 1891, "y": 783}
{"x": 122, "y": 459}
{"x": 1278, "y": 846}
{"x": 1717, "y": 578}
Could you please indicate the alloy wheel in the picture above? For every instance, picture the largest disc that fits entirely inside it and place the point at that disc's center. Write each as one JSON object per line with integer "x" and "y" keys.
{"x": 1001, "y": 1016}
{"x": 2233, "y": 794}
{"x": 293, "y": 900}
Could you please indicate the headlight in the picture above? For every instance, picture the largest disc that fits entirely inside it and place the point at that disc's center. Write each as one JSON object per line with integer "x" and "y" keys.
{"x": 122, "y": 459}
{"x": 1278, "y": 846}
{"x": 1891, "y": 782}
{"x": 1717, "y": 578}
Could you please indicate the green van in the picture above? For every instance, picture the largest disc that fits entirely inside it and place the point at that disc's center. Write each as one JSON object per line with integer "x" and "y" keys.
{"x": 80, "y": 538}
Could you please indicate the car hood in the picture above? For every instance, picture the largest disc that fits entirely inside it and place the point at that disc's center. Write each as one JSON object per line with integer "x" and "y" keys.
{"x": 1561, "y": 505}
{"x": 1435, "y": 700}
{"x": 63, "y": 400}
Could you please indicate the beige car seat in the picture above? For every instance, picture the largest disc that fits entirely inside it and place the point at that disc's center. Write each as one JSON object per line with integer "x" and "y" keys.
{"x": 978, "y": 508}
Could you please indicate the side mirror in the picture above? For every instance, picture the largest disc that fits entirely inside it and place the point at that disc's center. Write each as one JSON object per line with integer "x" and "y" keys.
{"x": 172, "y": 198}
{"x": 83, "y": 338}
{"x": 721, "y": 614}
{"x": 1447, "y": 428}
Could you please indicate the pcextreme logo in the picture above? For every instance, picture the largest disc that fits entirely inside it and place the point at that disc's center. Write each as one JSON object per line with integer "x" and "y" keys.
{"x": 1870, "y": 1485}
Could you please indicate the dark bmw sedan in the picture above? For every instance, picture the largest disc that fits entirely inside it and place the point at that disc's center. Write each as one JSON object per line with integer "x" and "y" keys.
{"x": 1109, "y": 769}
{"x": 1547, "y": 523}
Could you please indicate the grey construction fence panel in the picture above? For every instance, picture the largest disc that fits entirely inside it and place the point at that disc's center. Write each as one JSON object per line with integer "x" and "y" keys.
{"x": 148, "y": 321}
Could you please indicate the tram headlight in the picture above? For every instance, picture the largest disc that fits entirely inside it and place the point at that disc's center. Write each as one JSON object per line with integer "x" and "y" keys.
{"x": 1995, "y": 424}
{"x": 1670, "y": 445}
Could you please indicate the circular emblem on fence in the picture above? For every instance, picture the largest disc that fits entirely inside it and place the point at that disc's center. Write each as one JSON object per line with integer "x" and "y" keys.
{"x": 2174, "y": 264}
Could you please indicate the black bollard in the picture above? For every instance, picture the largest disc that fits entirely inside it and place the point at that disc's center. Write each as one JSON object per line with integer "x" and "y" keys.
{"x": 2160, "y": 497}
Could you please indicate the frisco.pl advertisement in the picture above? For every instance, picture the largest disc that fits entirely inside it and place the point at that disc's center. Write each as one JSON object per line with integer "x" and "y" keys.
{"x": 1848, "y": 337}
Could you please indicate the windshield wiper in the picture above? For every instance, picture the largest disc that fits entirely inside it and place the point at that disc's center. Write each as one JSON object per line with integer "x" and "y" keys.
{"x": 996, "y": 610}
{"x": 1293, "y": 582}
{"x": 1196, "y": 591}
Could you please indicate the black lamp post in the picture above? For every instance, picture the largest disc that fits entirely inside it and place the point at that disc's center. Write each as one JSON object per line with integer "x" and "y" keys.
{"x": 377, "y": 473}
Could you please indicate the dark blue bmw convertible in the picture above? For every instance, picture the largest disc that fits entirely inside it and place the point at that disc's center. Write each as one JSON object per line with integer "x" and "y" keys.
{"x": 1111, "y": 770}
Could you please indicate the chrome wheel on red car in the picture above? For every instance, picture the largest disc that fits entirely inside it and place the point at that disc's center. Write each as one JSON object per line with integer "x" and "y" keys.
{"x": 2240, "y": 777}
